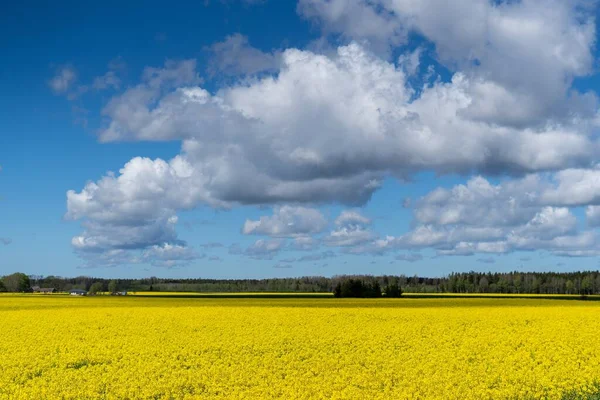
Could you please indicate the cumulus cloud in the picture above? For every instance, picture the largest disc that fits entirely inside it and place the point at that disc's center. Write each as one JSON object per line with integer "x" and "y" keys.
{"x": 574, "y": 187}
{"x": 360, "y": 20}
{"x": 235, "y": 56}
{"x": 287, "y": 221}
{"x": 352, "y": 230}
{"x": 351, "y": 217}
{"x": 135, "y": 210}
{"x": 547, "y": 43}
{"x": 479, "y": 217}
{"x": 272, "y": 131}
{"x": 168, "y": 255}
{"x": 330, "y": 128}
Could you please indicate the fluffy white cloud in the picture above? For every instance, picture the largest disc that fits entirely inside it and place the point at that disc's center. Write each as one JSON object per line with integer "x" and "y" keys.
{"x": 168, "y": 255}
{"x": 352, "y": 230}
{"x": 287, "y": 221}
{"x": 338, "y": 133}
{"x": 546, "y": 43}
{"x": 480, "y": 217}
{"x": 574, "y": 187}
{"x": 348, "y": 237}
{"x": 135, "y": 210}
{"x": 360, "y": 20}
{"x": 351, "y": 217}
{"x": 506, "y": 204}
{"x": 330, "y": 128}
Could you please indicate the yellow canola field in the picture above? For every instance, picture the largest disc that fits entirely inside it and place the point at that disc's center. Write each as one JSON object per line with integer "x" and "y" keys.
{"x": 185, "y": 348}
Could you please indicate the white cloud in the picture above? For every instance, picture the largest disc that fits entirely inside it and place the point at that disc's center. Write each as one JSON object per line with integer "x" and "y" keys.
{"x": 135, "y": 210}
{"x": 352, "y": 230}
{"x": 265, "y": 249}
{"x": 546, "y": 43}
{"x": 234, "y": 56}
{"x": 331, "y": 128}
{"x": 63, "y": 80}
{"x": 287, "y": 221}
{"x": 305, "y": 243}
{"x": 574, "y": 187}
{"x": 351, "y": 217}
{"x": 480, "y": 217}
{"x": 337, "y": 133}
{"x": 168, "y": 255}
{"x": 359, "y": 20}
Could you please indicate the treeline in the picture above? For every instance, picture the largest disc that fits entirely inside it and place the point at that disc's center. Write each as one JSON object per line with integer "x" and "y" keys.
{"x": 586, "y": 282}
{"x": 353, "y": 287}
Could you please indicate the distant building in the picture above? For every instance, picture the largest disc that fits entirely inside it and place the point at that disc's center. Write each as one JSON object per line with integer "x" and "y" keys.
{"x": 77, "y": 292}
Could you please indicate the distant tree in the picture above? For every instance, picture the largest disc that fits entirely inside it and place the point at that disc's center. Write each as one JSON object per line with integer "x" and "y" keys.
{"x": 2, "y": 287}
{"x": 337, "y": 290}
{"x": 586, "y": 285}
{"x": 393, "y": 290}
{"x": 112, "y": 286}
{"x": 17, "y": 282}
{"x": 96, "y": 288}
{"x": 351, "y": 287}
{"x": 570, "y": 287}
{"x": 374, "y": 289}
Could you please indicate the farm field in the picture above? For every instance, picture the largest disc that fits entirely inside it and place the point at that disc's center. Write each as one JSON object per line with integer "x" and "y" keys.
{"x": 260, "y": 348}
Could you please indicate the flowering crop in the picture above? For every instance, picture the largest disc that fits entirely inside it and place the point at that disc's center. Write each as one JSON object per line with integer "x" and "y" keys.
{"x": 172, "y": 348}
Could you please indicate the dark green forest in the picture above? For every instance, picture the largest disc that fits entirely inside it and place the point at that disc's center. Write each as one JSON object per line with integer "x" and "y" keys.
{"x": 586, "y": 282}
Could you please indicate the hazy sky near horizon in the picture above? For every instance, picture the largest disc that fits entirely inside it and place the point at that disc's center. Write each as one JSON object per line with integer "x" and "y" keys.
{"x": 249, "y": 138}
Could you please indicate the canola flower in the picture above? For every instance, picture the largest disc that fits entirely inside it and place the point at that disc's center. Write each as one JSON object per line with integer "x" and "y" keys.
{"x": 204, "y": 348}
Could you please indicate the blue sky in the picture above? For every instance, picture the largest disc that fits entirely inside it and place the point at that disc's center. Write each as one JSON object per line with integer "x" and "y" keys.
{"x": 281, "y": 138}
